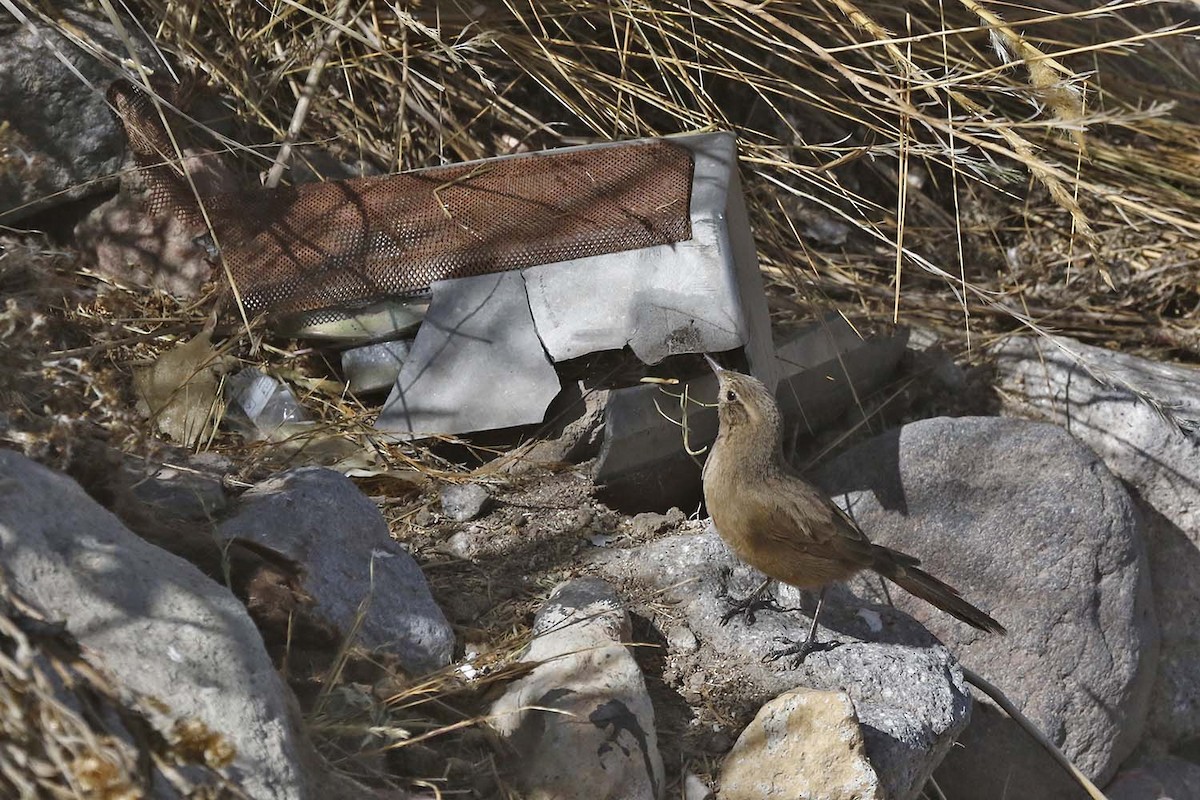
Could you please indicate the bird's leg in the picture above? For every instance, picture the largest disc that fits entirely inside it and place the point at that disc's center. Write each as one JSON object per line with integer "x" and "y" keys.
{"x": 749, "y": 604}
{"x": 801, "y": 650}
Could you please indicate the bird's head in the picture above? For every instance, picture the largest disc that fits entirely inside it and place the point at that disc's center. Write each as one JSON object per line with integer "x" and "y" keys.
{"x": 745, "y": 404}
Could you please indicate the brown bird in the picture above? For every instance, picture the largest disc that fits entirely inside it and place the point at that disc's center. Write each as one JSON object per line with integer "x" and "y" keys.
{"x": 788, "y": 529}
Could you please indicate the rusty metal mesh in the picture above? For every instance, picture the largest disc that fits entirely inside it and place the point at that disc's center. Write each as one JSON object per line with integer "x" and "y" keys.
{"x": 346, "y": 244}
{"x": 166, "y": 190}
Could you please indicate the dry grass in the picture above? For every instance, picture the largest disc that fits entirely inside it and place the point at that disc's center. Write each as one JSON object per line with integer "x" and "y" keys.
{"x": 975, "y": 168}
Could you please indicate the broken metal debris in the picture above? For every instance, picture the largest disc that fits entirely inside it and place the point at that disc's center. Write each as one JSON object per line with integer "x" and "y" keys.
{"x": 644, "y": 462}
{"x": 344, "y": 244}
{"x": 374, "y": 367}
{"x": 476, "y": 364}
{"x": 468, "y": 369}
{"x": 386, "y": 319}
{"x": 636, "y": 434}
{"x": 700, "y": 295}
{"x": 830, "y": 368}
{"x": 525, "y": 260}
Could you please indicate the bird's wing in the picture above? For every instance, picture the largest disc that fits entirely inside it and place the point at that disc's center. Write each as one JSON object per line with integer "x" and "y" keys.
{"x": 800, "y": 518}
{"x": 848, "y": 528}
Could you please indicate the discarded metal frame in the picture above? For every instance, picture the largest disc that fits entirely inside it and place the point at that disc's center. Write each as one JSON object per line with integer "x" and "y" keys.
{"x": 508, "y": 265}
{"x": 523, "y": 260}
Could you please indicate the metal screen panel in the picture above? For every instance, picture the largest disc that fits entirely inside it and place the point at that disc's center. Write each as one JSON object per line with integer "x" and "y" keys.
{"x": 346, "y": 244}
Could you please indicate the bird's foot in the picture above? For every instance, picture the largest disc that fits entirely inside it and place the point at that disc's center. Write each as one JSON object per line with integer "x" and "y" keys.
{"x": 799, "y": 650}
{"x": 758, "y": 600}
{"x": 747, "y": 606}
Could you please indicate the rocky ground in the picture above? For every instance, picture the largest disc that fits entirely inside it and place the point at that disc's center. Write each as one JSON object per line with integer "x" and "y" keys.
{"x": 522, "y": 606}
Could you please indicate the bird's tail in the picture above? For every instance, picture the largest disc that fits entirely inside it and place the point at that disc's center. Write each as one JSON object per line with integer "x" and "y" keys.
{"x": 903, "y": 571}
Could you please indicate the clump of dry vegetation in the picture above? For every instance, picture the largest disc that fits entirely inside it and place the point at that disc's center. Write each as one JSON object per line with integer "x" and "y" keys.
{"x": 975, "y": 167}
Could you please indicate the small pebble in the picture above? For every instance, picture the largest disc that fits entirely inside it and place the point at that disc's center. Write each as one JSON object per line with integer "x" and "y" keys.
{"x": 693, "y": 687}
{"x": 872, "y": 618}
{"x": 464, "y": 501}
{"x": 463, "y": 544}
{"x": 584, "y": 517}
{"x": 681, "y": 640}
{"x": 599, "y": 540}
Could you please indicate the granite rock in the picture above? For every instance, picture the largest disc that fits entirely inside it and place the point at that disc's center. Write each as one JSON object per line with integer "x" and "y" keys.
{"x": 60, "y": 142}
{"x": 1143, "y": 419}
{"x": 158, "y": 624}
{"x": 906, "y": 688}
{"x": 1032, "y": 527}
{"x": 804, "y": 743}
{"x": 581, "y": 722}
{"x": 318, "y": 519}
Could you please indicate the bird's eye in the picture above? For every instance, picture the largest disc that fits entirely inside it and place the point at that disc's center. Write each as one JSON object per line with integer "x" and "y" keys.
{"x": 731, "y": 396}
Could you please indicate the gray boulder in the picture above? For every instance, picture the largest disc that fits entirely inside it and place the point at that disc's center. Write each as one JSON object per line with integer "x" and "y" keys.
{"x": 1174, "y": 565}
{"x": 157, "y": 623}
{"x": 319, "y": 520}
{"x": 60, "y": 140}
{"x": 68, "y": 723}
{"x": 694, "y": 788}
{"x": 906, "y": 688}
{"x": 1029, "y": 525}
{"x": 581, "y": 722}
{"x": 1143, "y": 419}
{"x": 996, "y": 759}
{"x": 1168, "y": 778}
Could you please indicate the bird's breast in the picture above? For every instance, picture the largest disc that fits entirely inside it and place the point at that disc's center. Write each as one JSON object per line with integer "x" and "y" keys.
{"x": 779, "y": 548}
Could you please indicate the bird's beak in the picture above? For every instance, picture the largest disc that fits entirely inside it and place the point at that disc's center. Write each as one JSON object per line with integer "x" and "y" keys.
{"x": 716, "y": 368}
